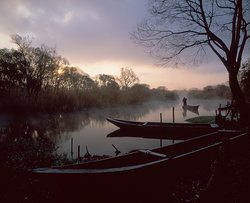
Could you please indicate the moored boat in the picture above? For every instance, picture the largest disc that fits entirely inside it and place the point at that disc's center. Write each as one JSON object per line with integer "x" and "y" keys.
{"x": 169, "y": 130}
{"x": 147, "y": 160}
{"x": 191, "y": 108}
{"x": 141, "y": 173}
{"x": 149, "y": 135}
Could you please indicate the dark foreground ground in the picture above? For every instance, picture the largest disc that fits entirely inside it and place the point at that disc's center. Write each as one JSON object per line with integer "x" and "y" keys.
{"x": 225, "y": 178}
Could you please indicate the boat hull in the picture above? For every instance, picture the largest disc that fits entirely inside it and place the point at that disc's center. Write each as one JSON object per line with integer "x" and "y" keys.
{"x": 141, "y": 175}
{"x": 158, "y": 130}
{"x": 193, "y": 109}
{"x": 144, "y": 161}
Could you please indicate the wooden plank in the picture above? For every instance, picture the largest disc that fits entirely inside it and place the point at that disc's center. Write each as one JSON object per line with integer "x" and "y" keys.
{"x": 153, "y": 153}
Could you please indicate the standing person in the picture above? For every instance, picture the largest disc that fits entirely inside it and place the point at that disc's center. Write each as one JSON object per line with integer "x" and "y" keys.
{"x": 184, "y": 100}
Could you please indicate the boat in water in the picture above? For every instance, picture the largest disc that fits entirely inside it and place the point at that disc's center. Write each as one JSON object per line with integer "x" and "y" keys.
{"x": 193, "y": 109}
{"x": 161, "y": 129}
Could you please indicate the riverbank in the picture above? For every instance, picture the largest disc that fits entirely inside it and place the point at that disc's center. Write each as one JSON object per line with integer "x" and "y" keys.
{"x": 201, "y": 119}
{"x": 19, "y": 155}
{"x": 226, "y": 179}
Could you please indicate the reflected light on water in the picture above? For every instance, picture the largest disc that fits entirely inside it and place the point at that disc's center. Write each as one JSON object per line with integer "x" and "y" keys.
{"x": 90, "y": 127}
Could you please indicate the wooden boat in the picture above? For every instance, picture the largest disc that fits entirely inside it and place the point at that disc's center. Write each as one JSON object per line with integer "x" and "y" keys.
{"x": 142, "y": 172}
{"x": 193, "y": 109}
{"x": 147, "y": 160}
{"x": 150, "y": 135}
{"x": 190, "y": 107}
{"x": 170, "y": 130}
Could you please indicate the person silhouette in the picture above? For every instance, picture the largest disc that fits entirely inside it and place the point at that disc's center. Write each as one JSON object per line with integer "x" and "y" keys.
{"x": 184, "y": 100}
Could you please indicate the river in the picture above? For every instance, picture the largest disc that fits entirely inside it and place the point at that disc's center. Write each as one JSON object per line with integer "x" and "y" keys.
{"x": 89, "y": 128}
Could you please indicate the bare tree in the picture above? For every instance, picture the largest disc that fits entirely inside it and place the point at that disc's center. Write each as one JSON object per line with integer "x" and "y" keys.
{"x": 177, "y": 28}
{"x": 127, "y": 78}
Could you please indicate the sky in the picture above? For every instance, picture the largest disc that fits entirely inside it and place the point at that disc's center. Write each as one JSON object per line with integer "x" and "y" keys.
{"x": 94, "y": 36}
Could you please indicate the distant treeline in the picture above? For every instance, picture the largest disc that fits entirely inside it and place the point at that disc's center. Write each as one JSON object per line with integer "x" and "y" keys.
{"x": 208, "y": 92}
{"x": 244, "y": 76}
{"x": 36, "y": 79}
{"x": 223, "y": 90}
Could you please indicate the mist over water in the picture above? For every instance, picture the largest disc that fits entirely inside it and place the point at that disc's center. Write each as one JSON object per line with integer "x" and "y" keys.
{"x": 90, "y": 127}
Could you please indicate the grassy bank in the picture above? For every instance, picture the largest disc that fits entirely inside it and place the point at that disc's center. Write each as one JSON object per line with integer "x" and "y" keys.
{"x": 201, "y": 119}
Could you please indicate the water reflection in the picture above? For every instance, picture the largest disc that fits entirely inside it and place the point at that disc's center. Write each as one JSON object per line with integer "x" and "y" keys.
{"x": 147, "y": 135}
{"x": 89, "y": 127}
{"x": 24, "y": 146}
{"x": 95, "y": 134}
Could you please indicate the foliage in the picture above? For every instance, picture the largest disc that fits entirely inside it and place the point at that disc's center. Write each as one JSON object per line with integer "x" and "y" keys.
{"x": 221, "y": 91}
{"x": 23, "y": 147}
{"x": 161, "y": 93}
{"x": 36, "y": 79}
{"x": 138, "y": 93}
{"x": 245, "y": 78}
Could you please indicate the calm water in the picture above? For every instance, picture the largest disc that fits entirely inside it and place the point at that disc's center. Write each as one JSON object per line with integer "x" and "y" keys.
{"x": 90, "y": 128}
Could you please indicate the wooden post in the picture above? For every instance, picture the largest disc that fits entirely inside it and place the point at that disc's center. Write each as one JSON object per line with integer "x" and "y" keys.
{"x": 161, "y": 117}
{"x": 173, "y": 114}
{"x": 220, "y": 109}
{"x": 72, "y": 148}
{"x": 79, "y": 154}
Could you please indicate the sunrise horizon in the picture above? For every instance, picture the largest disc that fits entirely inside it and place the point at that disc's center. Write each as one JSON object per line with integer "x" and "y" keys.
{"x": 96, "y": 38}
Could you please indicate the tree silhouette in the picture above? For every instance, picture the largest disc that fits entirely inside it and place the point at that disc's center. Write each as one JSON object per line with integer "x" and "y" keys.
{"x": 36, "y": 65}
{"x": 127, "y": 78}
{"x": 245, "y": 78}
{"x": 181, "y": 29}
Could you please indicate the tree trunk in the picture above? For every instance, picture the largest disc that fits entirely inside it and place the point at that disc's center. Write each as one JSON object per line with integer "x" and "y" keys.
{"x": 238, "y": 98}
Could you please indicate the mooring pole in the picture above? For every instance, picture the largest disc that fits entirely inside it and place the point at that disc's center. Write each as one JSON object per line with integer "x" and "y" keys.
{"x": 79, "y": 154}
{"x": 173, "y": 114}
{"x": 72, "y": 148}
{"x": 173, "y": 122}
{"x": 161, "y": 122}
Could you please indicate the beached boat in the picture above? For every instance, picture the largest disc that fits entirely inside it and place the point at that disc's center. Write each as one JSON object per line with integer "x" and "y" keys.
{"x": 141, "y": 173}
{"x": 170, "y": 130}
{"x": 142, "y": 161}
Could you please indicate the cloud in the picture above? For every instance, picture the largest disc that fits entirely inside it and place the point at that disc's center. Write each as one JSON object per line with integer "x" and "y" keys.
{"x": 23, "y": 11}
{"x": 93, "y": 34}
{"x": 67, "y": 18}
{"x": 84, "y": 32}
